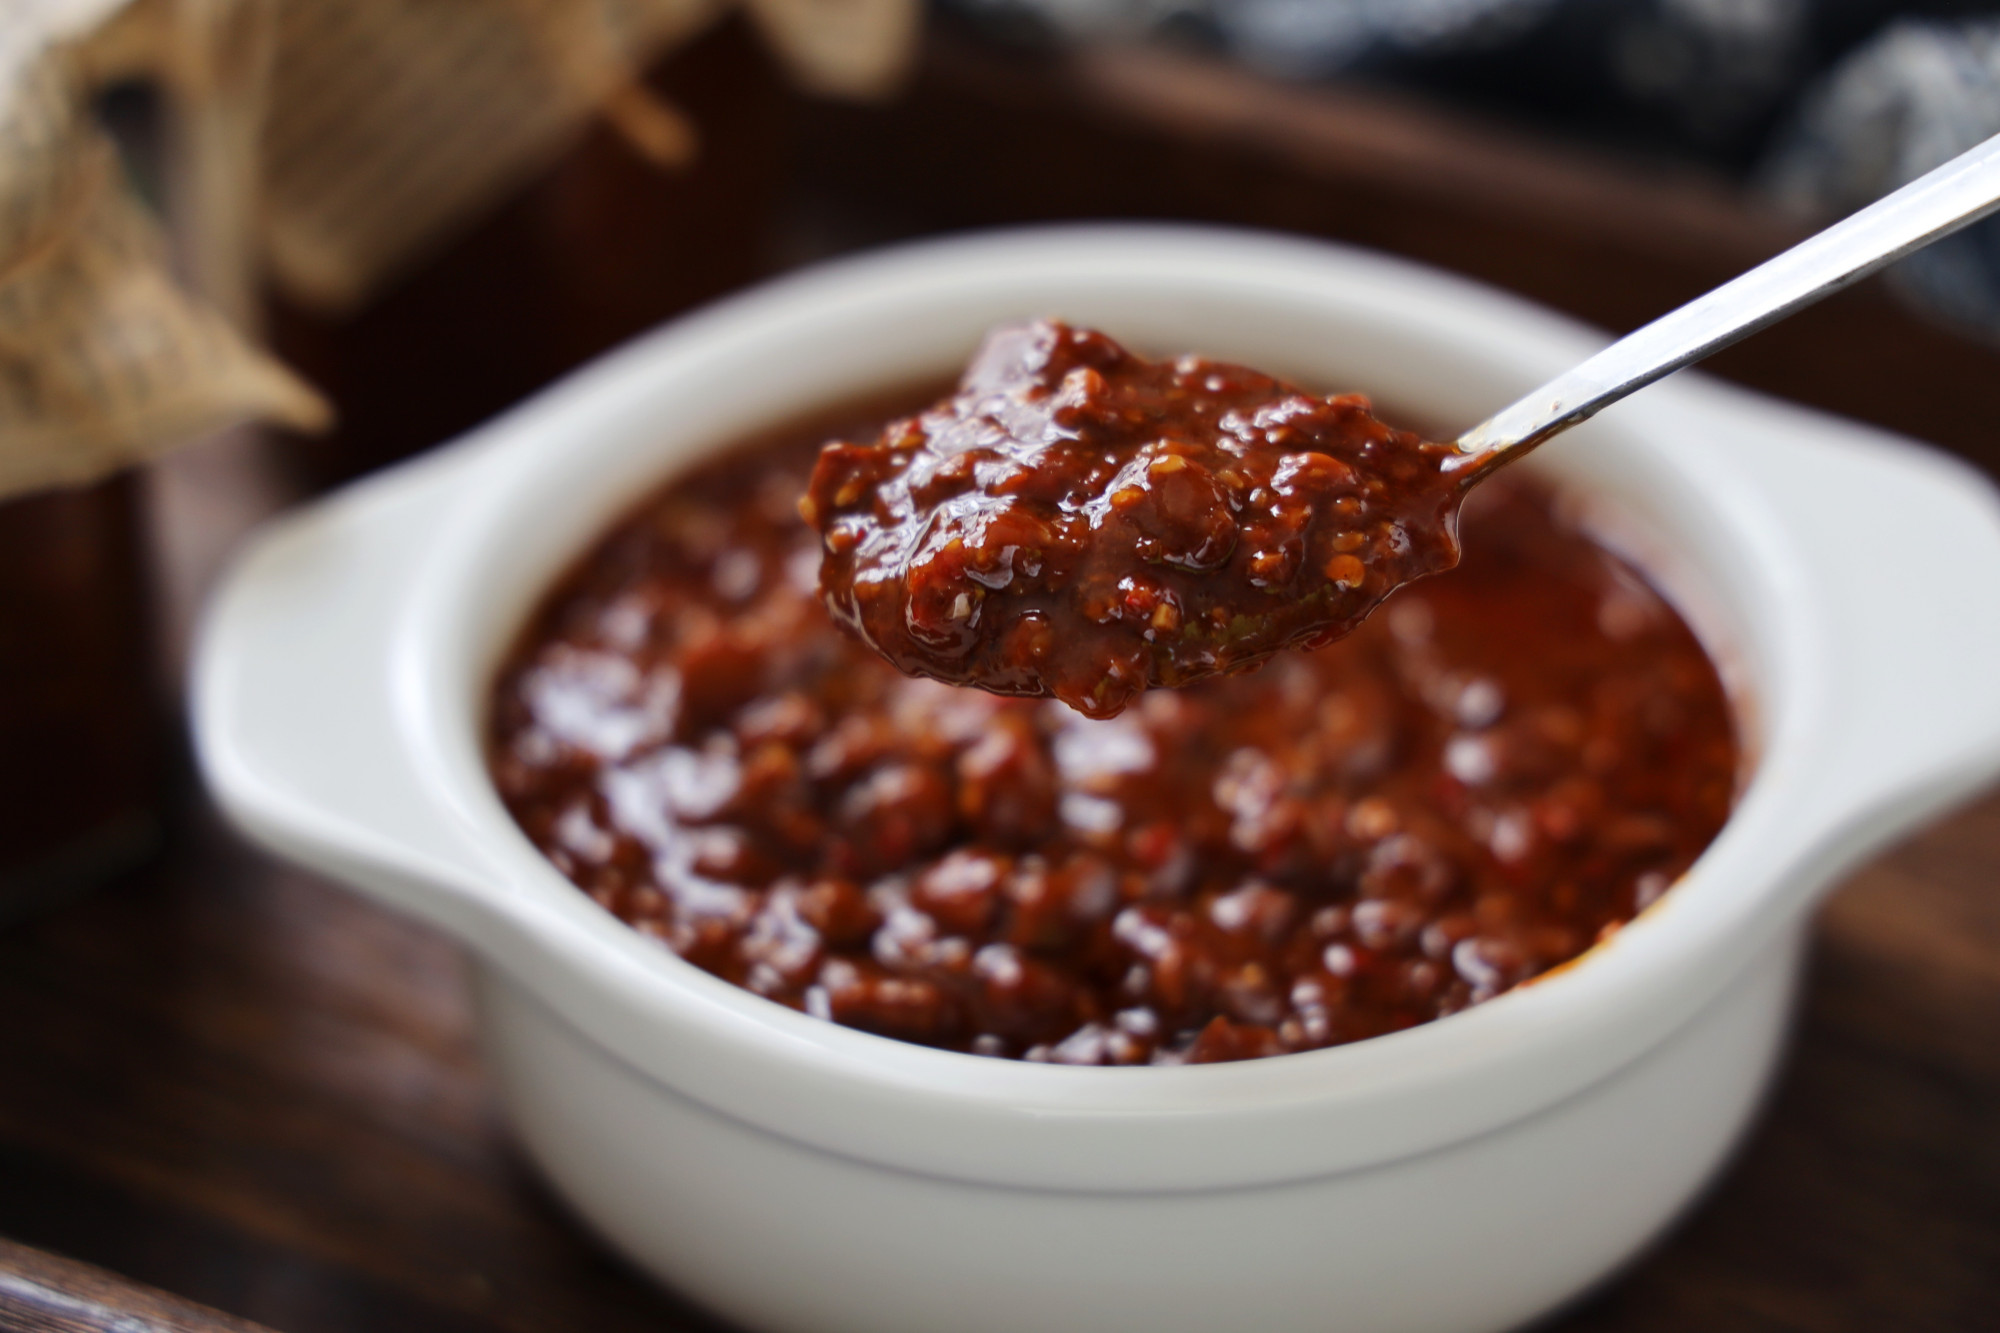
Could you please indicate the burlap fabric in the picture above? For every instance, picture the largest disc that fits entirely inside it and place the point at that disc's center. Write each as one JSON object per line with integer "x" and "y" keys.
{"x": 326, "y": 144}
{"x": 103, "y": 357}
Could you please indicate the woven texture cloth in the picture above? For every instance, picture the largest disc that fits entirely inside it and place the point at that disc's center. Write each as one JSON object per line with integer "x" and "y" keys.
{"x": 104, "y": 359}
{"x": 327, "y": 145}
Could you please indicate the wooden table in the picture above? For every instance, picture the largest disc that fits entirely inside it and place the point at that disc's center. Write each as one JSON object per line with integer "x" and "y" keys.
{"x": 241, "y": 1084}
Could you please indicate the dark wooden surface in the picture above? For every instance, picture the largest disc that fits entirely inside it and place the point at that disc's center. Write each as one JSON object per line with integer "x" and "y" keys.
{"x": 44, "y": 1293}
{"x": 247, "y": 1087}
{"x": 74, "y": 691}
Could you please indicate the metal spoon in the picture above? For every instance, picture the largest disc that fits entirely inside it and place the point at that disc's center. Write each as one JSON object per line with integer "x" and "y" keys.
{"x": 1960, "y": 192}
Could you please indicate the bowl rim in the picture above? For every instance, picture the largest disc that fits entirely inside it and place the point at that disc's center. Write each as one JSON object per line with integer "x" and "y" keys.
{"x": 918, "y": 1107}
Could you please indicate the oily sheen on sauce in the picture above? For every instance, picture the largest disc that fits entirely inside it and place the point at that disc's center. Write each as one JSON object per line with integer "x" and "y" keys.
{"x": 1504, "y": 763}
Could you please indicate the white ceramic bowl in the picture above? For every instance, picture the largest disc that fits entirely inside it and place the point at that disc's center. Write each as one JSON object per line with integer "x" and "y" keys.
{"x": 795, "y": 1175}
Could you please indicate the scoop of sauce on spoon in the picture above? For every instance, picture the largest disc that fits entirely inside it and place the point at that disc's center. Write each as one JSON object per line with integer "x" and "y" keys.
{"x": 1079, "y": 521}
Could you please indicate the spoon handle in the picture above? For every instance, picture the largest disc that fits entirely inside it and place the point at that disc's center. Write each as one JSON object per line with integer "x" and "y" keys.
{"x": 1960, "y": 192}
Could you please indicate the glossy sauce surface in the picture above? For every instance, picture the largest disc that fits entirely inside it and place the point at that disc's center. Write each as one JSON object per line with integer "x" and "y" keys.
{"x": 1499, "y": 767}
{"x": 1078, "y": 521}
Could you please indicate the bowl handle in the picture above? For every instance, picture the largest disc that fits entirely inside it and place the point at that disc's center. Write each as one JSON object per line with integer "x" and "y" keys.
{"x": 292, "y": 704}
{"x": 1904, "y": 582}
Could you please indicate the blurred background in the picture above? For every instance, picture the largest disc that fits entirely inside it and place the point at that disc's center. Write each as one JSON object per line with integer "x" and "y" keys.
{"x": 254, "y": 249}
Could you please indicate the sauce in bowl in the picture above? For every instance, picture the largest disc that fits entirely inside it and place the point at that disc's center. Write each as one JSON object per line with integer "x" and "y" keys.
{"x": 1498, "y": 768}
